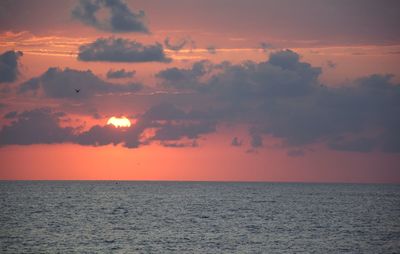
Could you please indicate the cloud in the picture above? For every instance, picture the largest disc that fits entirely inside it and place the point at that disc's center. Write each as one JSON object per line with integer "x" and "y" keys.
{"x": 9, "y": 66}
{"x": 184, "y": 78}
{"x": 177, "y": 46}
{"x": 165, "y": 111}
{"x": 105, "y": 135}
{"x": 43, "y": 126}
{"x": 111, "y": 74}
{"x": 177, "y": 131}
{"x": 173, "y": 123}
{"x": 121, "y": 19}
{"x": 281, "y": 97}
{"x": 283, "y": 75}
{"x": 286, "y": 59}
{"x": 100, "y": 136}
{"x": 39, "y": 126}
{"x": 121, "y": 50}
{"x": 180, "y": 144}
{"x": 58, "y": 83}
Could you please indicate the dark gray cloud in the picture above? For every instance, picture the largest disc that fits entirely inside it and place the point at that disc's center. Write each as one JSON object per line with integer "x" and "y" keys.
{"x": 100, "y": 136}
{"x": 9, "y": 70}
{"x": 39, "y": 126}
{"x": 57, "y": 83}
{"x": 120, "y": 19}
{"x": 121, "y": 50}
{"x": 111, "y": 74}
{"x": 184, "y": 78}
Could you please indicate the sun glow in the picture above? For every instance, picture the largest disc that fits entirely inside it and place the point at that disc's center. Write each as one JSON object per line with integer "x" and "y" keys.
{"x": 119, "y": 121}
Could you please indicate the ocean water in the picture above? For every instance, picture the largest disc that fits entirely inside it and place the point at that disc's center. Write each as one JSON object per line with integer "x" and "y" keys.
{"x": 198, "y": 217}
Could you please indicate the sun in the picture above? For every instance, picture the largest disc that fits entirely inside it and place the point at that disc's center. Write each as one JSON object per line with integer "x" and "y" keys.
{"x": 119, "y": 121}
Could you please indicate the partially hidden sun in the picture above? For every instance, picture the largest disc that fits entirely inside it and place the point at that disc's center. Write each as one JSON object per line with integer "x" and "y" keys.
{"x": 119, "y": 121}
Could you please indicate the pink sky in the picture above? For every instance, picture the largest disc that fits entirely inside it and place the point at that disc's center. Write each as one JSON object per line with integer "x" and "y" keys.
{"x": 304, "y": 91}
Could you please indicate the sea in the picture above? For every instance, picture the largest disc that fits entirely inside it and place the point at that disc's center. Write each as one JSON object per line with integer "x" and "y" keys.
{"x": 198, "y": 217}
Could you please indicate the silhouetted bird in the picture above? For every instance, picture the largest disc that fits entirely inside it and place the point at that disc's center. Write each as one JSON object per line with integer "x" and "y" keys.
{"x": 77, "y": 90}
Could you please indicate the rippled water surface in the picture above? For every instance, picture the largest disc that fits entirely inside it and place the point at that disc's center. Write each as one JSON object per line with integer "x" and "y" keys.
{"x": 198, "y": 217}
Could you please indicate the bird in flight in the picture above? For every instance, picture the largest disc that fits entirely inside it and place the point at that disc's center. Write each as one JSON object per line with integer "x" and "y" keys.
{"x": 77, "y": 90}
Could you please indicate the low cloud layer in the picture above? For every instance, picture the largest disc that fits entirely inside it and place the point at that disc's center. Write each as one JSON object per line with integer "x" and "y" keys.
{"x": 42, "y": 126}
{"x": 280, "y": 98}
{"x": 120, "y": 19}
{"x": 58, "y": 83}
{"x": 9, "y": 70}
{"x": 121, "y": 50}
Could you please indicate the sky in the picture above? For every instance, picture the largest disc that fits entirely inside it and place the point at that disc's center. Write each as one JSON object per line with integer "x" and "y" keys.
{"x": 214, "y": 90}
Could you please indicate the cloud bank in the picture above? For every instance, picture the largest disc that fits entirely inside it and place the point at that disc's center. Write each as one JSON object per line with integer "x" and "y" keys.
{"x": 281, "y": 97}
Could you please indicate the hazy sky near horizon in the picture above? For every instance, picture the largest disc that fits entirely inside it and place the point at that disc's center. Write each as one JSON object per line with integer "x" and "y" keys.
{"x": 215, "y": 90}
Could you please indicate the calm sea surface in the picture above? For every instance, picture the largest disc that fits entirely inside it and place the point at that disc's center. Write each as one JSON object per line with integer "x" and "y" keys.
{"x": 198, "y": 217}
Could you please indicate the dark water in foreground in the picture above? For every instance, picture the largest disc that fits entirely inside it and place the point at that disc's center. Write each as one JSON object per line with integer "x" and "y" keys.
{"x": 193, "y": 217}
